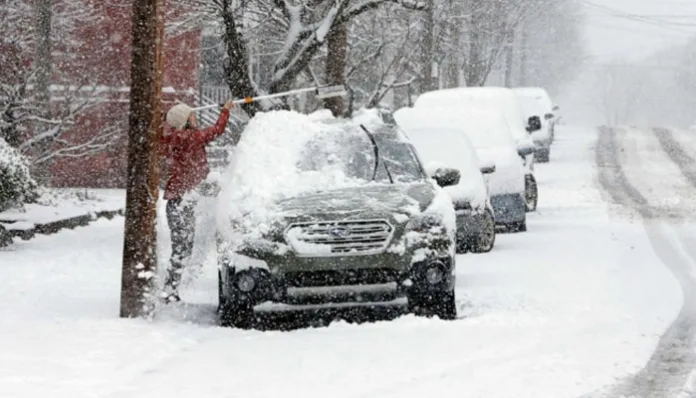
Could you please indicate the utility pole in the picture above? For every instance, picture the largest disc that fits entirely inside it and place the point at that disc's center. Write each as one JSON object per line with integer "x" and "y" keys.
{"x": 145, "y": 124}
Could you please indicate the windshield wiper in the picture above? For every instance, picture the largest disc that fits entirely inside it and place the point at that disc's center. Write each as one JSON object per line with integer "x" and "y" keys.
{"x": 376, "y": 149}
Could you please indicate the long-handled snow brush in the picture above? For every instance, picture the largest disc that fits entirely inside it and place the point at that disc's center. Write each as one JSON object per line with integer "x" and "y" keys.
{"x": 322, "y": 92}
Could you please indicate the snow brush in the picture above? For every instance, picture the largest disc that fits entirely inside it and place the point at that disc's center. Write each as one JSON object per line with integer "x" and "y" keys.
{"x": 322, "y": 92}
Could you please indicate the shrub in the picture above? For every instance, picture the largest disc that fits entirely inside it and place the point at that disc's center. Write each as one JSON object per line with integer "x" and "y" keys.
{"x": 16, "y": 184}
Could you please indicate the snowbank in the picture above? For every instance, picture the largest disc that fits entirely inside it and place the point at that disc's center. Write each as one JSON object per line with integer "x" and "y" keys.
{"x": 486, "y": 130}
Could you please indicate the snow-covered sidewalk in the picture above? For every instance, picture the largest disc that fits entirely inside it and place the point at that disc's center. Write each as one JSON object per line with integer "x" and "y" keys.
{"x": 61, "y": 204}
{"x": 562, "y": 310}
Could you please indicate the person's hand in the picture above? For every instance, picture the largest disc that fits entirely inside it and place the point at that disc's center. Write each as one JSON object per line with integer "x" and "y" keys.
{"x": 229, "y": 105}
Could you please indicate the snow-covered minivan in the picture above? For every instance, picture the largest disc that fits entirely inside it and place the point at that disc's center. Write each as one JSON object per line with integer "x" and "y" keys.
{"x": 490, "y": 135}
{"x": 498, "y": 99}
{"x": 442, "y": 146}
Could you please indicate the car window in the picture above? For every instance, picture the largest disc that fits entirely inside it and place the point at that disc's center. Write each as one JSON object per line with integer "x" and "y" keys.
{"x": 400, "y": 159}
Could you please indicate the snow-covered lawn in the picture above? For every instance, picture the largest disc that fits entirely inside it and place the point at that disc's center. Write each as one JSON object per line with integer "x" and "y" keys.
{"x": 63, "y": 203}
{"x": 575, "y": 303}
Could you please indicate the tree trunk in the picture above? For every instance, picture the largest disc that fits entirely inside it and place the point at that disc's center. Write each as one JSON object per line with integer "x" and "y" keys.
{"x": 428, "y": 51}
{"x": 509, "y": 58}
{"x": 523, "y": 56}
{"x": 237, "y": 63}
{"x": 43, "y": 63}
{"x": 43, "y": 59}
{"x": 145, "y": 125}
{"x": 337, "y": 47}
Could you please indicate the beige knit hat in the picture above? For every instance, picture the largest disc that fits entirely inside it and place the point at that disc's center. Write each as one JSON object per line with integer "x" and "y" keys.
{"x": 178, "y": 116}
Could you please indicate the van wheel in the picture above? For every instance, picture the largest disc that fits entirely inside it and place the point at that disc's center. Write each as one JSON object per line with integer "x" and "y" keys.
{"x": 531, "y": 193}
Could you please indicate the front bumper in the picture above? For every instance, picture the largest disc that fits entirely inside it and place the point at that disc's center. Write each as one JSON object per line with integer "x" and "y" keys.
{"x": 299, "y": 290}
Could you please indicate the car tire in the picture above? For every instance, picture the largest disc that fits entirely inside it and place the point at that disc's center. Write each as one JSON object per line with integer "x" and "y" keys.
{"x": 440, "y": 304}
{"x": 462, "y": 246}
{"x": 520, "y": 226}
{"x": 531, "y": 193}
{"x": 233, "y": 315}
{"x": 484, "y": 243}
{"x": 544, "y": 157}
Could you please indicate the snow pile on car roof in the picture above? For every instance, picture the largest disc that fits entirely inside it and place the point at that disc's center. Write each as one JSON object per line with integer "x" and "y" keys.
{"x": 264, "y": 166}
{"x": 485, "y": 129}
{"x": 499, "y": 98}
{"x": 446, "y": 146}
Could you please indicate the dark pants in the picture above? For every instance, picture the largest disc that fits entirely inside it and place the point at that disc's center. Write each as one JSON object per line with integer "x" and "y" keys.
{"x": 182, "y": 223}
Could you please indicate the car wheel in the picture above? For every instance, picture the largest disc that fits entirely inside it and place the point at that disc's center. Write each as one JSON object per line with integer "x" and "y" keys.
{"x": 517, "y": 226}
{"x": 484, "y": 243}
{"x": 544, "y": 157}
{"x": 531, "y": 193}
{"x": 233, "y": 315}
{"x": 440, "y": 304}
{"x": 462, "y": 246}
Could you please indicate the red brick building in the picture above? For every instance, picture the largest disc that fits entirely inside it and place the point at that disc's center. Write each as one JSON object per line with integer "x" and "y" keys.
{"x": 99, "y": 62}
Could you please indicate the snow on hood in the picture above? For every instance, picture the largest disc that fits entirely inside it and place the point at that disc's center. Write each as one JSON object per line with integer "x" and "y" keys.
{"x": 443, "y": 145}
{"x": 488, "y": 133}
{"x": 284, "y": 157}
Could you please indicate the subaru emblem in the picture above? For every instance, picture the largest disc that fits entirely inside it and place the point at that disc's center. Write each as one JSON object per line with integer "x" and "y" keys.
{"x": 340, "y": 232}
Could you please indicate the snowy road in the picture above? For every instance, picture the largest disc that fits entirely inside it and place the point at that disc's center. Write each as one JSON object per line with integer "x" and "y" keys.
{"x": 578, "y": 303}
{"x": 655, "y": 178}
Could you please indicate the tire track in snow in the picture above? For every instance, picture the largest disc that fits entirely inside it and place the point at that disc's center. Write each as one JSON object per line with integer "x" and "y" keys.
{"x": 670, "y": 370}
{"x": 676, "y": 152}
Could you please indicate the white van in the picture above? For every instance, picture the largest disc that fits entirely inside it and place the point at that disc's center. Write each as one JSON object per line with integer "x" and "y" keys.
{"x": 498, "y": 99}
{"x": 536, "y": 103}
{"x": 490, "y": 136}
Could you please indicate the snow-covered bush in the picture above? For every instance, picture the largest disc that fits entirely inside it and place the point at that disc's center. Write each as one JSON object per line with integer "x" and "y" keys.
{"x": 16, "y": 185}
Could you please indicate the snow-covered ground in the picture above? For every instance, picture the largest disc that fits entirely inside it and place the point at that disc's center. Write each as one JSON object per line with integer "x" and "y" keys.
{"x": 574, "y": 304}
{"x": 63, "y": 203}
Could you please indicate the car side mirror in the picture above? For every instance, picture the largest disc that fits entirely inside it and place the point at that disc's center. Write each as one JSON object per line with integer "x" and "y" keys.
{"x": 487, "y": 169}
{"x": 525, "y": 149}
{"x": 548, "y": 116}
{"x": 533, "y": 124}
{"x": 447, "y": 177}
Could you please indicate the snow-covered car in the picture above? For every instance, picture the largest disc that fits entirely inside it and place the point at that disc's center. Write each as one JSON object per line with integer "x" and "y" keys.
{"x": 442, "y": 146}
{"x": 498, "y": 99}
{"x": 490, "y": 135}
{"x": 536, "y": 104}
{"x": 320, "y": 212}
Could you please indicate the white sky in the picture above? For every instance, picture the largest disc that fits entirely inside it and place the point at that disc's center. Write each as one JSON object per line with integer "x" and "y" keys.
{"x": 614, "y": 35}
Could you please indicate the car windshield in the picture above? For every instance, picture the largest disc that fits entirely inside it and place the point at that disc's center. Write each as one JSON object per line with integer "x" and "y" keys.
{"x": 352, "y": 154}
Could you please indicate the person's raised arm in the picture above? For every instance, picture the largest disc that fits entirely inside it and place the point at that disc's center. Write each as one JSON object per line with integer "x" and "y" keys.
{"x": 206, "y": 135}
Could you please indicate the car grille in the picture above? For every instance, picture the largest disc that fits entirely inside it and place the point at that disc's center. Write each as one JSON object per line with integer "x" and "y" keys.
{"x": 339, "y": 238}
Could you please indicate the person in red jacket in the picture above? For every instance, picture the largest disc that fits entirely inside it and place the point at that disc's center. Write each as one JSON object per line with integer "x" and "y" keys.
{"x": 183, "y": 145}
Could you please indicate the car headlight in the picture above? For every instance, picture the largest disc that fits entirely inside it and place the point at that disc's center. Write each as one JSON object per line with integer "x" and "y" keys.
{"x": 425, "y": 223}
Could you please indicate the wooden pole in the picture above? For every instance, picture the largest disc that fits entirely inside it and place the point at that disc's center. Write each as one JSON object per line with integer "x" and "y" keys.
{"x": 145, "y": 124}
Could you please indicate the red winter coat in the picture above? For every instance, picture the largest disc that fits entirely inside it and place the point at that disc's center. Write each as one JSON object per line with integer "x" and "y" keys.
{"x": 185, "y": 153}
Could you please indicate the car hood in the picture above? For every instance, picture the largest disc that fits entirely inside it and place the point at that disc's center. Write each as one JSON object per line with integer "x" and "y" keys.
{"x": 368, "y": 201}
